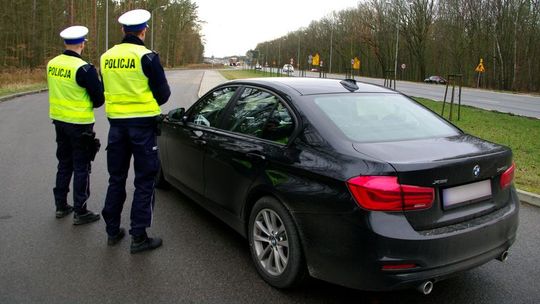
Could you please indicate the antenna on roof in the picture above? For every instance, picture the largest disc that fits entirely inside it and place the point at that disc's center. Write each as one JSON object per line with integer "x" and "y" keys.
{"x": 349, "y": 84}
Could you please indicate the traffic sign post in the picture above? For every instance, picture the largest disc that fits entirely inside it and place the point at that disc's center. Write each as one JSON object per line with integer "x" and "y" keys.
{"x": 322, "y": 73}
{"x": 403, "y": 67}
{"x": 480, "y": 70}
{"x": 389, "y": 81}
{"x": 451, "y": 80}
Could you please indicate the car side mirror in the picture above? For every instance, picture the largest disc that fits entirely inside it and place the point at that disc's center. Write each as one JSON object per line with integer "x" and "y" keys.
{"x": 177, "y": 115}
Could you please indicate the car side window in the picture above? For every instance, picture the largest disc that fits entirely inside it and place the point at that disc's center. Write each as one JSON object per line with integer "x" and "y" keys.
{"x": 279, "y": 125}
{"x": 209, "y": 110}
{"x": 259, "y": 113}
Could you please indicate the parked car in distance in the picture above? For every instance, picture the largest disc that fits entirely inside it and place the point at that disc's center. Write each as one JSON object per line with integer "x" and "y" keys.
{"x": 258, "y": 67}
{"x": 288, "y": 69}
{"x": 435, "y": 79}
{"x": 314, "y": 70}
{"x": 347, "y": 182}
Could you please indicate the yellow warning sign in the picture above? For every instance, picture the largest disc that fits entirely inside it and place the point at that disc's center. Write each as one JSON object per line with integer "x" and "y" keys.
{"x": 316, "y": 59}
{"x": 480, "y": 67}
{"x": 356, "y": 64}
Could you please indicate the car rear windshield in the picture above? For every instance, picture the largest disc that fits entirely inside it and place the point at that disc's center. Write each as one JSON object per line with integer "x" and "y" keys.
{"x": 376, "y": 117}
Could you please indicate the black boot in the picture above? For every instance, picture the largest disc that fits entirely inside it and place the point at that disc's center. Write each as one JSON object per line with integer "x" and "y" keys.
{"x": 63, "y": 209}
{"x": 85, "y": 217}
{"x": 114, "y": 239}
{"x": 144, "y": 243}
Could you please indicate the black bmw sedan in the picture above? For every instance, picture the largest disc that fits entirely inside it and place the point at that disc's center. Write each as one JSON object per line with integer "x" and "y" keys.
{"x": 346, "y": 182}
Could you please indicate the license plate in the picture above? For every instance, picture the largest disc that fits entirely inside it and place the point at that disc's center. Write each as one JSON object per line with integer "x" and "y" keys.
{"x": 470, "y": 193}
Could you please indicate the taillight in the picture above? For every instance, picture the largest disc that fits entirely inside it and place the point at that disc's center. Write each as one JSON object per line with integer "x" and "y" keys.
{"x": 508, "y": 176}
{"x": 384, "y": 193}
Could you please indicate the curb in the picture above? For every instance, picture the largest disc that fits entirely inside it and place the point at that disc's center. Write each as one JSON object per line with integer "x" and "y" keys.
{"x": 529, "y": 198}
{"x": 8, "y": 97}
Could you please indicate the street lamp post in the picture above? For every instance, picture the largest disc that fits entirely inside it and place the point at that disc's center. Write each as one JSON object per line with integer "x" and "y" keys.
{"x": 279, "y": 54}
{"x": 298, "y": 55}
{"x": 152, "y": 28}
{"x": 332, "y": 43}
{"x": 397, "y": 12}
{"x": 331, "y": 38}
{"x": 397, "y": 48}
{"x": 266, "y": 55}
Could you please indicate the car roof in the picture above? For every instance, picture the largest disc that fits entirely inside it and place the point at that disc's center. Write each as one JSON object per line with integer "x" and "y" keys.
{"x": 310, "y": 86}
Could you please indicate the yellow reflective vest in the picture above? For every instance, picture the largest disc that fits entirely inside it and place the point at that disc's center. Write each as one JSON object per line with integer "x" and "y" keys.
{"x": 68, "y": 101}
{"x": 127, "y": 93}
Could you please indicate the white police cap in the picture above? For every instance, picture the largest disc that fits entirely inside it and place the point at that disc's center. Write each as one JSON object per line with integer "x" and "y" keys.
{"x": 134, "y": 20}
{"x": 74, "y": 34}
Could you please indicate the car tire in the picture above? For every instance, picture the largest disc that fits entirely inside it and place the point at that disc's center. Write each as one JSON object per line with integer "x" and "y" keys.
{"x": 275, "y": 244}
{"x": 160, "y": 182}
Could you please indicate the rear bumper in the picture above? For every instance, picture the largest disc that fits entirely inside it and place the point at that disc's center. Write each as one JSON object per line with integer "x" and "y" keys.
{"x": 350, "y": 249}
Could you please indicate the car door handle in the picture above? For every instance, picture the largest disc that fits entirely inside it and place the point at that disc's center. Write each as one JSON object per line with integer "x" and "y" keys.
{"x": 255, "y": 156}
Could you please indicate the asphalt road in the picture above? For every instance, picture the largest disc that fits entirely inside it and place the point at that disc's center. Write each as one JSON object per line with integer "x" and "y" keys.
{"x": 45, "y": 260}
{"x": 519, "y": 104}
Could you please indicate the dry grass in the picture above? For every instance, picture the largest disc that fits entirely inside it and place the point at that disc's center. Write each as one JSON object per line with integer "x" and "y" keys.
{"x": 19, "y": 80}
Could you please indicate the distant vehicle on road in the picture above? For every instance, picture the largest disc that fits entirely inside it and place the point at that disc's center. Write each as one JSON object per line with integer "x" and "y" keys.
{"x": 258, "y": 67}
{"x": 348, "y": 182}
{"x": 435, "y": 79}
{"x": 288, "y": 68}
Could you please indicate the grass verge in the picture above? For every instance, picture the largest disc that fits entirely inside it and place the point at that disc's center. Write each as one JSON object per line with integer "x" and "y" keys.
{"x": 14, "y": 81}
{"x": 522, "y": 134}
{"x": 14, "y": 89}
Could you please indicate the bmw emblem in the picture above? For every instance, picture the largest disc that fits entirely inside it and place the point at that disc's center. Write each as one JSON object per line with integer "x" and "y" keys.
{"x": 476, "y": 171}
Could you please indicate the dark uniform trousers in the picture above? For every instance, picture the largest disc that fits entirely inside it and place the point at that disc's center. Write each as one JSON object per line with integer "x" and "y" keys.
{"x": 73, "y": 159}
{"x": 141, "y": 142}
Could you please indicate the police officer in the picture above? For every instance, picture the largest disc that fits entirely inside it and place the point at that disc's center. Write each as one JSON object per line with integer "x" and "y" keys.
{"x": 135, "y": 87}
{"x": 74, "y": 91}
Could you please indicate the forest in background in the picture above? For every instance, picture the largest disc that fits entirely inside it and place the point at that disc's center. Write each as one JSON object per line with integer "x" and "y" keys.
{"x": 30, "y": 29}
{"x": 435, "y": 38}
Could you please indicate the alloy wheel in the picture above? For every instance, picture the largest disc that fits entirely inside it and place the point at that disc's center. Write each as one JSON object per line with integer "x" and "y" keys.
{"x": 270, "y": 242}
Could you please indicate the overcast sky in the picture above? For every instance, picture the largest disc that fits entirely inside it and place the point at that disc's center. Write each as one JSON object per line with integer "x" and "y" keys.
{"x": 235, "y": 26}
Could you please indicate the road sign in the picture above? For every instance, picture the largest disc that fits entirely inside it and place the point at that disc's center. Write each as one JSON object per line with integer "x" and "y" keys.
{"x": 356, "y": 63}
{"x": 315, "y": 60}
{"x": 403, "y": 66}
{"x": 480, "y": 67}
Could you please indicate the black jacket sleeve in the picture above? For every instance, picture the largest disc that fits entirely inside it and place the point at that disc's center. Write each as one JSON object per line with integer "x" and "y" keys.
{"x": 87, "y": 78}
{"x": 156, "y": 77}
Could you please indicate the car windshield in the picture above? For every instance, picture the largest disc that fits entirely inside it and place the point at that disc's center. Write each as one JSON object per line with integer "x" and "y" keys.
{"x": 377, "y": 117}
